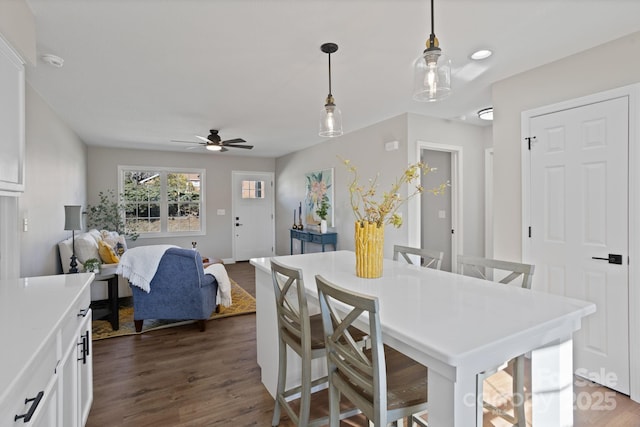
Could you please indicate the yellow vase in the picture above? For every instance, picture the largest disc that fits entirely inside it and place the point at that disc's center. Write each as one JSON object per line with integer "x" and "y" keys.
{"x": 369, "y": 242}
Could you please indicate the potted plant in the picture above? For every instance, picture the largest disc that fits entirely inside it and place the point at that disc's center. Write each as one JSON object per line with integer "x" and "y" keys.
{"x": 322, "y": 212}
{"x": 92, "y": 265}
{"x": 109, "y": 214}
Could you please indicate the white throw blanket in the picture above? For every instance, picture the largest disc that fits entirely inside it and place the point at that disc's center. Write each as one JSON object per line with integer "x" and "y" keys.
{"x": 224, "y": 284}
{"x": 139, "y": 264}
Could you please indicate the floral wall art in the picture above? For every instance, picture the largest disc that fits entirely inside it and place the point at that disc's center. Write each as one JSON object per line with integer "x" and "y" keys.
{"x": 319, "y": 186}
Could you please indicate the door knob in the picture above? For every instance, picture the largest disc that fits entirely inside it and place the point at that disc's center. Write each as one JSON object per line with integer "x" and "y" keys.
{"x": 237, "y": 224}
{"x": 613, "y": 258}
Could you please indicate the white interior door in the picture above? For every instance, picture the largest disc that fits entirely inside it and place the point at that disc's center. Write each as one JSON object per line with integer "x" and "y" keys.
{"x": 253, "y": 216}
{"x": 579, "y": 214}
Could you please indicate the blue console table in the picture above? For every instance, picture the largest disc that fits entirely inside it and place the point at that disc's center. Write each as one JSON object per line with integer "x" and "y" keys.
{"x": 329, "y": 238}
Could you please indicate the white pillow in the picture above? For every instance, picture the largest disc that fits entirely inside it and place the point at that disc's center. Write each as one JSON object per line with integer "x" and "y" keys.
{"x": 95, "y": 234}
{"x": 86, "y": 247}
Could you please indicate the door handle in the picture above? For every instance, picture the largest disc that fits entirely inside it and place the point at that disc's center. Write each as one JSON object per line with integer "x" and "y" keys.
{"x": 613, "y": 259}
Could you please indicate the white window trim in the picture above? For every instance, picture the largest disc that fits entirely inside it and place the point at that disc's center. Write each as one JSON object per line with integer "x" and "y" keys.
{"x": 163, "y": 201}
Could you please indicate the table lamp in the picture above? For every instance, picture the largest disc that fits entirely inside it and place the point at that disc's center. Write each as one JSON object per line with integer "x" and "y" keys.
{"x": 73, "y": 222}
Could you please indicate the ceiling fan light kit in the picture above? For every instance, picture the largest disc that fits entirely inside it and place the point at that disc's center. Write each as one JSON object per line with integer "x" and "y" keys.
{"x": 431, "y": 71}
{"x": 330, "y": 115}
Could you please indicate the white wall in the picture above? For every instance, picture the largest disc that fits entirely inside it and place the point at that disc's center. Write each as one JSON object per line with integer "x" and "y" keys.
{"x": 56, "y": 168}
{"x": 611, "y": 65}
{"x": 103, "y": 175}
{"x": 365, "y": 149}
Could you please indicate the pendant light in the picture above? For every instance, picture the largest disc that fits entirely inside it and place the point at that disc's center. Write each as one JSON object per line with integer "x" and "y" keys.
{"x": 431, "y": 71}
{"x": 330, "y": 116}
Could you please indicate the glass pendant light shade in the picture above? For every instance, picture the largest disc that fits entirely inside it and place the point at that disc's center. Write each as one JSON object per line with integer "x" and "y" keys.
{"x": 431, "y": 76}
{"x": 330, "y": 120}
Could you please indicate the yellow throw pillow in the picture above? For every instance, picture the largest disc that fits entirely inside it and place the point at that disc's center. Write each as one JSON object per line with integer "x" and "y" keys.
{"x": 107, "y": 254}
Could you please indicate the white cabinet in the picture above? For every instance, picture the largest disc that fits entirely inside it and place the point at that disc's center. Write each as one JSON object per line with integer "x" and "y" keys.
{"x": 12, "y": 121}
{"x": 47, "y": 354}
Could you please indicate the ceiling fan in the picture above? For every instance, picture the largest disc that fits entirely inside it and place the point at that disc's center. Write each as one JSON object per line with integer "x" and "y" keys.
{"x": 213, "y": 142}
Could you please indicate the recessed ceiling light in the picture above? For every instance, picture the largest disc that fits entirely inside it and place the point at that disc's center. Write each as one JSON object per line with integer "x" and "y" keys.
{"x": 53, "y": 60}
{"x": 481, "y": 54}
{"x": 486, "y": 113}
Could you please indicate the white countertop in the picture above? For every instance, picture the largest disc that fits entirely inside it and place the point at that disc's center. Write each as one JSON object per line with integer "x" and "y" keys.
{"x": 30, "y": 312}
{"x": 439, "y": 316}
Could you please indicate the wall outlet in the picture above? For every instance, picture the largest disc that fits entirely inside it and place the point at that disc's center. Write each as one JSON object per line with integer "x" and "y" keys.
{"x": 442, "y": 214}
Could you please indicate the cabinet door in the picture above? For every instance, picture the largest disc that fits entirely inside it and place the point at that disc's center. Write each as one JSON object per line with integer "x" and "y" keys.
{"x": 39, "y": 410}
{"x": 12, "y": 122}
{"x": 85, "y": 370}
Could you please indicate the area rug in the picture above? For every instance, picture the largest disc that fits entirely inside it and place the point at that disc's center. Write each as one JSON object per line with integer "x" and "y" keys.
{"x": 242, "y": 303}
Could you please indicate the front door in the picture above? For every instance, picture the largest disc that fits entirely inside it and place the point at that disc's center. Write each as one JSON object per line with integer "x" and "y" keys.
{"x": 253, "y": 219}
{"x": 579, "y": 227}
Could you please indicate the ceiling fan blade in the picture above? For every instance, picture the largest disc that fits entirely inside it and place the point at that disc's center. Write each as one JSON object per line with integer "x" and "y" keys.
{"x": 247, "y": 147}
{"x": 202, "y": 138}
{"x": 186, "y": 142}
{"x": 223, "y": 150}
{"x": 233, "y": 141}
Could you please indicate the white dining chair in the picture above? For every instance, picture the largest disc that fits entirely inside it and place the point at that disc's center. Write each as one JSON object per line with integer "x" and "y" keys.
{"x": 492, "y": 269}
{"x": 383, "y": 383}
{"x": 428, "y": 258}
{"x": 304, "y": 334}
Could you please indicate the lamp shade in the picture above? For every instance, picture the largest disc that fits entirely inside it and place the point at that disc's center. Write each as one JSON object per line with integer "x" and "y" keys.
{"x": 330, "y": 121}
{"x": 73, "y": 217}
{"x": 431, "y": 76}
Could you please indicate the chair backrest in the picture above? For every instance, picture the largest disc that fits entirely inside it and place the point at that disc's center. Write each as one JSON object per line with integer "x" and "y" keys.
{"x": 479, "y": 266}
{"x": 428, "y": 258}
{"x": 358, "y": 373}
{"x": 294, "y": 326}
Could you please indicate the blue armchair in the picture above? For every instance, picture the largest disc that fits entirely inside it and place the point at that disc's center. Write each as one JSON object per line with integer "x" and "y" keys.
{"x": 179, "y": 290}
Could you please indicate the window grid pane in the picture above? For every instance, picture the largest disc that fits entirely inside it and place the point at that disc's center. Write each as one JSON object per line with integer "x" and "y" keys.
{"x": 144, "y": 195}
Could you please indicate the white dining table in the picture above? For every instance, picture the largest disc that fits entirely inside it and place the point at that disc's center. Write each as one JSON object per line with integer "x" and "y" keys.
{"x": 455, "y": 325}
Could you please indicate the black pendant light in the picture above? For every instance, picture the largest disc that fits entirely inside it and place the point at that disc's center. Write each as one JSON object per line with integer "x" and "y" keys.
{"x": 330, "y": 116}
{"x": 431, "y": 71}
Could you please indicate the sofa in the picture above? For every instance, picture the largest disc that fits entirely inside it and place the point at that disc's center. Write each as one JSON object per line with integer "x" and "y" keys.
{"x": 179, "y": 290}
{"x": 95, "y": 244}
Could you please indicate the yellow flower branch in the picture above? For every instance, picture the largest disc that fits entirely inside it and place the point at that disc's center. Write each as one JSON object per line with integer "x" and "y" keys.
{"x": 367, "y": 209}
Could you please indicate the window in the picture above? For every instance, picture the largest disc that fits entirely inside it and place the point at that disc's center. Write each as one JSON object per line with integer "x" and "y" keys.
{"x": 252, "y": 189}
{"x": 161, "y": 201}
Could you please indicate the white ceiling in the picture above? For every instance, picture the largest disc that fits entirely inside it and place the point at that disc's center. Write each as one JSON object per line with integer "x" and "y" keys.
{"x": 139, "y": 73}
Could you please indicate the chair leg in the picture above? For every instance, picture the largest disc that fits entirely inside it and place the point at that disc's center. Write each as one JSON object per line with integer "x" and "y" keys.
{"x": 202, "y": 324}
{"x": 305, "y": 391}
{"x": 282, "y": 379}
{"x": 334, "y": 406}
{"x": 519, "y": 397}
{"x": 138, "y": 325}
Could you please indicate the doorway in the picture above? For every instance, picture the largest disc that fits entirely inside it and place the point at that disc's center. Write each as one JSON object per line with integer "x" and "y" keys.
{"x": 436, "y": 226}
{"x": 579, "y": 199}
{"x": 253, "y": 215}
{"x": 451, "y": 225}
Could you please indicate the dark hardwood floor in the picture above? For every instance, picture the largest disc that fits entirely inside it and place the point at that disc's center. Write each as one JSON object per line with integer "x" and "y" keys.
{"x": 182, "y": 377}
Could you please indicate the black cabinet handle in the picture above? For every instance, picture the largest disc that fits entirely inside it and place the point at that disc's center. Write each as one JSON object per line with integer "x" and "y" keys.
{"x": 85, "y": 347}
{"x": 36, "y": 401}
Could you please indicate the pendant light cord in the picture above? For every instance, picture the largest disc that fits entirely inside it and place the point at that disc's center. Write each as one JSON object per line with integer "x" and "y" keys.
{"x": 329, "y": 74}
{"x": 433, "y": 33}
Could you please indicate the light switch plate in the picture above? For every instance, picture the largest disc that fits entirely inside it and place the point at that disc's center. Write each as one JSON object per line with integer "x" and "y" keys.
{"x": 221, "y": 212}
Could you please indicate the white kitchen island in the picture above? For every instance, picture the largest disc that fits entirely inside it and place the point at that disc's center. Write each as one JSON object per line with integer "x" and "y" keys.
{"x": 46, "y": 373}
{"x": 456, "y": 325}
